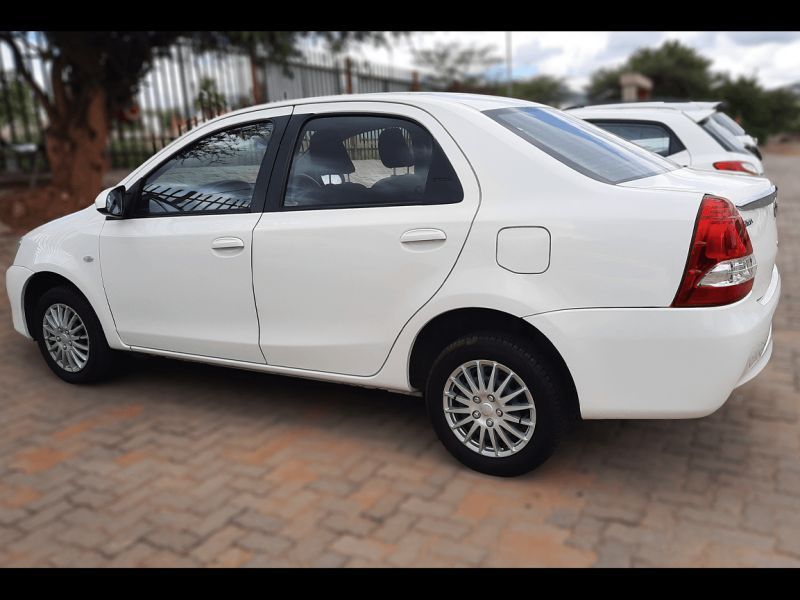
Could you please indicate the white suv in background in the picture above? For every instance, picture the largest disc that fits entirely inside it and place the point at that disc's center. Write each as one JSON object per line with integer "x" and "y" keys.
{"x": 692, "y": 134}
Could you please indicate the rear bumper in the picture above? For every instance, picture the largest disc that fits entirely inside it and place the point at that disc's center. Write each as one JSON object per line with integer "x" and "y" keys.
{"x": 662, "y": 363}
{"x": 16, "y": 278}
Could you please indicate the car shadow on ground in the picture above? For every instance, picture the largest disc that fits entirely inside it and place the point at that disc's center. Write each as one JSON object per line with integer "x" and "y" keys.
{"x": 633, "y": 446}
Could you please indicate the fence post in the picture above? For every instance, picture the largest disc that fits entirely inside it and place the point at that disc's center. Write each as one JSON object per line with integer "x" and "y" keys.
{"x": 414, "y": 81}
{"x": 348, "y": 75}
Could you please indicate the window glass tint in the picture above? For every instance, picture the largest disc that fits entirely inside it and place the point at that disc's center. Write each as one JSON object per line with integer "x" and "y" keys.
{"x": 722, "y": 136}
{"x": 215, "y": 174}
{"x": 728, "y": 123}
{"x": 353, "y": 161}
{"x": 648, "y": 136}
{"x": 581, "y": 145}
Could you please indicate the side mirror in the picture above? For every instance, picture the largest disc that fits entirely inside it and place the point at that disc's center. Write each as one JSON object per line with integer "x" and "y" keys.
{"x": 111, "y": 202}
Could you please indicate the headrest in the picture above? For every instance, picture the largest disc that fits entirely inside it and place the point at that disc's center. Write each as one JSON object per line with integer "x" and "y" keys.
{"x": 328, "y": 154}
{"x": 394, "y": 150}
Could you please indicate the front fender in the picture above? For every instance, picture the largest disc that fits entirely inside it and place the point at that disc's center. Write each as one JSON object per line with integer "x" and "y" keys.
{"x": 69, "y": 247}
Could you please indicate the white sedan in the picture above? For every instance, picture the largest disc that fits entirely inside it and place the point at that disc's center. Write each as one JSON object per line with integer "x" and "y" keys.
{"x": 693, "y": 134}
{"x": 518, "y": 266}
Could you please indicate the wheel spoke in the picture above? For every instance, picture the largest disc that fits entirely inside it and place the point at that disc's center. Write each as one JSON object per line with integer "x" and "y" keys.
{"x": 51, "y": 320}
{"x": 506, "y": 441}
{"x": 481, "y": 385}
{"x": 508, "y": 408}
{"x": 463, "y": 390}
{"x": 493, "y": 439}
{"x": 513, "y": 395}
{"x": 65, "y": 337}
{"x": 78, "y": 354}
{"x": 475, "y": 381}
{"x": 490, "y": 385}
{"x": 69, "y": 360}
{"x": 470, "y": 432}
{"x": 508, "y": 426}
{"x": 461, "y": 423}
{"x": 469, "y": 380}
{"x": 503, "y": 385}
{"x": 518, "y": 420}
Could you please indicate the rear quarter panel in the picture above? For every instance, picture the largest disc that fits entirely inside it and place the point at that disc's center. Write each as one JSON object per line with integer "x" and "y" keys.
{"x": 611, "y": 246}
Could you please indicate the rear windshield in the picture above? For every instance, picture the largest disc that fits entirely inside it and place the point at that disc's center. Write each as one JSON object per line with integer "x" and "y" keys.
{"x": 722, "y": 135}
{"x": 581, "y": 145}
{"x": 728, "y": 123}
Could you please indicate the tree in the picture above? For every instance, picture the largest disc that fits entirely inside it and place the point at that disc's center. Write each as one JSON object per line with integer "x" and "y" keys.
{"x": 95, "y": 74}
{"x": 761, "y": 112}
{"x": 455, "y": 66}
{"x": 209, "y": 99}
{"x": 604, "y": 86}
{"x": 542, "y": 88}
{"x": 677, "y": 72}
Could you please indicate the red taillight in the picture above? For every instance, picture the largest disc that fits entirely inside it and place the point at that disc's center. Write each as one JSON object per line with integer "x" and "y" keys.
{"x": 721, "y": 266}
{"x": 735, "y": 165}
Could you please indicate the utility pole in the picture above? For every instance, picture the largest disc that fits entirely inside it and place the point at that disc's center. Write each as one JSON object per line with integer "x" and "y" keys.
{"x": 508, "y": 63}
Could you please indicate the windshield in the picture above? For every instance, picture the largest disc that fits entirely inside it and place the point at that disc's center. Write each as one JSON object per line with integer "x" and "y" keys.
{"x": 728, "y": 123}
{"x": 722, "y": 136}
{"x": 581, "y": 145}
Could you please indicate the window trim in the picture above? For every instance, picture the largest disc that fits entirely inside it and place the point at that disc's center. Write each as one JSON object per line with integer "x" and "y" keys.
{"x": 674, "y": 140}
{"x": 265, "y": 170}
{"x": 283, "y": 163}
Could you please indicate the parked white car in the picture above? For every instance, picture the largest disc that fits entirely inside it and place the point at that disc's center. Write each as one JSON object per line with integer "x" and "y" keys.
{"x": 517, "y": 265}
{"x": 693, "y": 134}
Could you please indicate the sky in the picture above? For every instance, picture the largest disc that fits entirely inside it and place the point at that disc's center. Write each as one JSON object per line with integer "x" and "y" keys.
{"x": 772, "y": 56}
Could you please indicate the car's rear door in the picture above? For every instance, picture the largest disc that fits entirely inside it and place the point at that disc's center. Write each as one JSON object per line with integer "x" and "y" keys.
{"x": 362, "y": 228}
{"x": 178, "y": 274}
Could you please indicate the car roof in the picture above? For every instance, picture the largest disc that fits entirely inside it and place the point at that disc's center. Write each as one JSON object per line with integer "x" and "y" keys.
{"x": 696, "y": 111}
{"x": 676, "y": 105}
{"x": 422, "y": 99}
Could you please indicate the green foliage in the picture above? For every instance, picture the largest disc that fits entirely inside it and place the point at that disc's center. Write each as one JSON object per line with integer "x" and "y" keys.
{"x": 761, "y": 112}
{"x": 209, "y": 100}
{"x": 454, "y": 65}
{"x": 116, "y": 61}
{"x": 681, "y": 73}
{"x": 677, "y": 71}
{"x": 604, "y": 86}
{"x": 545, "y": 89}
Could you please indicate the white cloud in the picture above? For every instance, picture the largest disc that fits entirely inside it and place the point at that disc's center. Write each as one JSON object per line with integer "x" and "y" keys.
{"x": 773, "y": 56}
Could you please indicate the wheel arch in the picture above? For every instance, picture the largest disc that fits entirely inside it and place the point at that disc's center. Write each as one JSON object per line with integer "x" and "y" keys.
{"x": 35, "y": 287}
{"x": 446, "y": 327}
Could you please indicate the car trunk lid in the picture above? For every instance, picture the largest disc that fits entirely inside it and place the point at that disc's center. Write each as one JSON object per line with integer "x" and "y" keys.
{"x": 754, "y": 197}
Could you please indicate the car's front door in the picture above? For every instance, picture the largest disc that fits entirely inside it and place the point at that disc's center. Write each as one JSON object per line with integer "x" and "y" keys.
{"x": 178, "y": 272}
{"x": 369, "y": 209}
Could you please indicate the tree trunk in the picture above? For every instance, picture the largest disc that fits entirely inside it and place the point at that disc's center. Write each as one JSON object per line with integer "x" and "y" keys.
{"x": 76, "y": 145}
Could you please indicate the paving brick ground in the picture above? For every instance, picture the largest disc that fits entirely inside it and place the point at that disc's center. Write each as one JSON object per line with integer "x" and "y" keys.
{"x": 176, "y": 464}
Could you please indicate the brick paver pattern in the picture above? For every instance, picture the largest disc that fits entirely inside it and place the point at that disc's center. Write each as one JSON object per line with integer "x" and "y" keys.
{"x": 176, "y": 464}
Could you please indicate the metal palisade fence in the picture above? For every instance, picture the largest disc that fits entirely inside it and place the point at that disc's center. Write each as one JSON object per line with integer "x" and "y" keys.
{"x": 181, "y": 91}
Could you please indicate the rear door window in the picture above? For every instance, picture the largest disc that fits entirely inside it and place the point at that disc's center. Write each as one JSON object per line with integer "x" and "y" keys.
{"x": 654, "y": 137}
{"x": 354, "y": 161}
{"x": 722, "y": 135}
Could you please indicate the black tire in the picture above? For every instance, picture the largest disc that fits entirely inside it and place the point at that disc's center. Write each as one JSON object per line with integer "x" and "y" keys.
{"x": 100, "y": 361}
{"x": 549, "y": 392}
